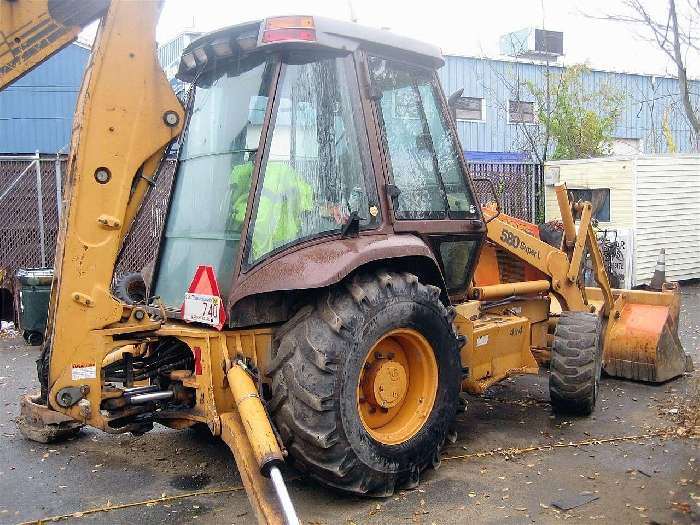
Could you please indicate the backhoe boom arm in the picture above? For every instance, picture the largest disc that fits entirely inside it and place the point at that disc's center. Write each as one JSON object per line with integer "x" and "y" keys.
{"x": 31, "y": 31}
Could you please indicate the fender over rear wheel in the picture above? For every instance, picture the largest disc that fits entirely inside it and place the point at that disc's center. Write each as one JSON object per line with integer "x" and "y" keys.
{"x": 366, "y": 383}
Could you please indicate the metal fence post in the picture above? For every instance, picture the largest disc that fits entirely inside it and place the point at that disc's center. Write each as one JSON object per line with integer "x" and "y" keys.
{"x": 40, "y": 209}
{"x": 59, "y": 181}
{"x": 533, "y": 190}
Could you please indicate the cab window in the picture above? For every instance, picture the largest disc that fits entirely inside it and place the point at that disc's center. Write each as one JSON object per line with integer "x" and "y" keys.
{"x": 313, "y": 181}
{"x": 205, "y": 217}
{"x": 425, "y": 164}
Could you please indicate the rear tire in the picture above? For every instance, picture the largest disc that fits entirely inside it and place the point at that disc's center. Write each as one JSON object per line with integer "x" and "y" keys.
{"x": 321, "y": 356}
{"x": 576, "y": 363}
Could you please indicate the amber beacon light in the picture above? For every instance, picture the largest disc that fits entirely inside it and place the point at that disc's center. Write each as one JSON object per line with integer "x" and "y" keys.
{"x": 287, "y": 28}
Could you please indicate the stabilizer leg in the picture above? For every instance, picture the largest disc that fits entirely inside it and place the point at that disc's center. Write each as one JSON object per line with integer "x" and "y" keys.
{"x": 248, "y": 433}
{"x": 259, "y": 489}
{"x": 38, "y": 422}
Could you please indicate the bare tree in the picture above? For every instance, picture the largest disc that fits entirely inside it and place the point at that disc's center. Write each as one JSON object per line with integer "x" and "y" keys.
{"x": 531, "y": 137}
{"x": 676, "y": 34}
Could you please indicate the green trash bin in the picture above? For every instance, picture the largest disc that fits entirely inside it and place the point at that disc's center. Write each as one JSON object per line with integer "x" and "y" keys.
{"x": 34, "y": 291}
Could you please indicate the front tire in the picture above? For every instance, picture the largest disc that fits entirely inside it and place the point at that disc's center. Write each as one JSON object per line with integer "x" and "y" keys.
{"x": 576, "y": 363}
{"x": 378, "y": 328}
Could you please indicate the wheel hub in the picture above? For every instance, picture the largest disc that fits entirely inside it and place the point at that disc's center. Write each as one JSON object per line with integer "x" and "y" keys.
{"x": 386, "y": 383}
{"x": 397, "y": 386}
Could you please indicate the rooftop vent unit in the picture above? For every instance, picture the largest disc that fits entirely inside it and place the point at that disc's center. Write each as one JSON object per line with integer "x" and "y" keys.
{"x": 533, "y": 44}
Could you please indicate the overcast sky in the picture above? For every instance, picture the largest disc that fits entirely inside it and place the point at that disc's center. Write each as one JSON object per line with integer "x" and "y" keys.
{"x": 470, "y": 27}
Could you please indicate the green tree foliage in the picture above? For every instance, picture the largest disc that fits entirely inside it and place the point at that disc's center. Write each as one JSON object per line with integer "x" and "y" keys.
{"x": 580, "y": 122}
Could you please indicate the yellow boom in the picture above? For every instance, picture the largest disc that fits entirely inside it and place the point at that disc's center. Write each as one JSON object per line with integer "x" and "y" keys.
{"x": 126, "y": 116}
{"x": 33, "y": 30}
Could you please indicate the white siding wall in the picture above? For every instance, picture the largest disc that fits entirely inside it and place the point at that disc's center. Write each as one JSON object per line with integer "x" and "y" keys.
{"x": 613, "y": 173}
{"x": 667, "y": 215}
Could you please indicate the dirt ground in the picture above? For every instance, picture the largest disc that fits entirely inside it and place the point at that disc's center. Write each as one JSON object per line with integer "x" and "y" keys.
{"x": 634, "y": 459}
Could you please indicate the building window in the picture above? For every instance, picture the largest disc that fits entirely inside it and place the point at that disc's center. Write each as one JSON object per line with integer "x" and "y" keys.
{"x": 520, "y": 112}
{"x": 469, "y": 108}
{"x": 599, "y": 199}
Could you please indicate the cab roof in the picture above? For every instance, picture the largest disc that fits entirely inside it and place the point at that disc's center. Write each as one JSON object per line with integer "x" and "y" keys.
{"x": 307, "y": 32}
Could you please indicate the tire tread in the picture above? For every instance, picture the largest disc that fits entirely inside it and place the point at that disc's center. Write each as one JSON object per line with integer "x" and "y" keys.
{"x": 575, "y": 364}
{"x": 304, "y": 373}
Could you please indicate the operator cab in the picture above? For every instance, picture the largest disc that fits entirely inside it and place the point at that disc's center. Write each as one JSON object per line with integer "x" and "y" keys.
{"x": 303, "y": 134}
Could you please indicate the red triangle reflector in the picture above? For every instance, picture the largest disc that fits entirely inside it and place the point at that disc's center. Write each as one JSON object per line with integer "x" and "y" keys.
{"x": 203, "y": 302}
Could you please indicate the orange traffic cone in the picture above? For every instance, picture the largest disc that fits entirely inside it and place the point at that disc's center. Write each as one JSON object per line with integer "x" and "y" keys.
{"x": 659, "y": 278}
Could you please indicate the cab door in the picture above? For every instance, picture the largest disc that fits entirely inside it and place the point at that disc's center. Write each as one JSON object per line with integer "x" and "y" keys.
{"x": 427, "y": 183}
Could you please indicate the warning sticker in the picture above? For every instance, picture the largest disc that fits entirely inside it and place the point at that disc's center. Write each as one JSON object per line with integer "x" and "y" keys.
{"x": 83, "y": 371}
{"x": 482, "y": 340}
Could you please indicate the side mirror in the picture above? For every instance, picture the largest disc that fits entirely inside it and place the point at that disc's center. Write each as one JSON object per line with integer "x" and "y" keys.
{"x": 454, "y": 97}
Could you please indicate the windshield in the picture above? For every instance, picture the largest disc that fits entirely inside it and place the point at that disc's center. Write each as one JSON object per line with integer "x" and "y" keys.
{"x": 210, "y": 196}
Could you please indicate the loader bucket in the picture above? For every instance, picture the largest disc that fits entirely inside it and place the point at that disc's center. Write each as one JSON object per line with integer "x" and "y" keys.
{"x": 641, "y": 339}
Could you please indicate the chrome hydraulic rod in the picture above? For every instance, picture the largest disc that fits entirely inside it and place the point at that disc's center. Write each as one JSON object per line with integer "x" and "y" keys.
{"x": 261, "y": 437}
{"x": 130, "y": 392}
{"x": 142, "y": 399}
{"x": 290, "y": 515}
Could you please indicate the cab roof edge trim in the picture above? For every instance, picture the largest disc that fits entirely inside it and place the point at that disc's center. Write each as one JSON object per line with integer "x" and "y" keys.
{"x": 330, "y": 34}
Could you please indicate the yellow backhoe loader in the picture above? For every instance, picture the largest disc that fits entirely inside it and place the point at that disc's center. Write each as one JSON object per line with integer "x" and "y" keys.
{"x": 326, "y": 281}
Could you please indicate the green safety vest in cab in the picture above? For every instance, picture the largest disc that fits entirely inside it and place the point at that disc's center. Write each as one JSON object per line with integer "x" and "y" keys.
{"x": 283, "y": 198}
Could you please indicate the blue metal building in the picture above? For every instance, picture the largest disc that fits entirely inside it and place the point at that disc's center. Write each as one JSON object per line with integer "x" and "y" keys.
{"x": 495, "y": 91}
{"x": 36, "y": 112}
{"x": 169, "y": 55}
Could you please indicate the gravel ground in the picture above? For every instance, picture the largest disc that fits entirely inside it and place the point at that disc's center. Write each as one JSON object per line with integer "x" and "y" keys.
{"x": 502, "y": 469}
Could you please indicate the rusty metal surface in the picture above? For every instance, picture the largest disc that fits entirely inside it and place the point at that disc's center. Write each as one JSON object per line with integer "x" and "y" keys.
{"x": 326, "y": 262}
{"x": 642, "y": 341}
{"x": 41, "y": 424}
{"x": 643, "y": 345}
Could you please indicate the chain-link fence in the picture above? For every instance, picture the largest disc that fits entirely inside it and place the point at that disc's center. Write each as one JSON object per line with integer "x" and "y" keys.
{"x": 518, "y": 187}
{"x": 29, "y": 211}
{"x": 141, "y": 244}
{"x": 30, "y": 193}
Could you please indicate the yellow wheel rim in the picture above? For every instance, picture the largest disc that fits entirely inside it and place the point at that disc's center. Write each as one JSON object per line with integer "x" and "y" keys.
{"x": 397, "y": 387}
